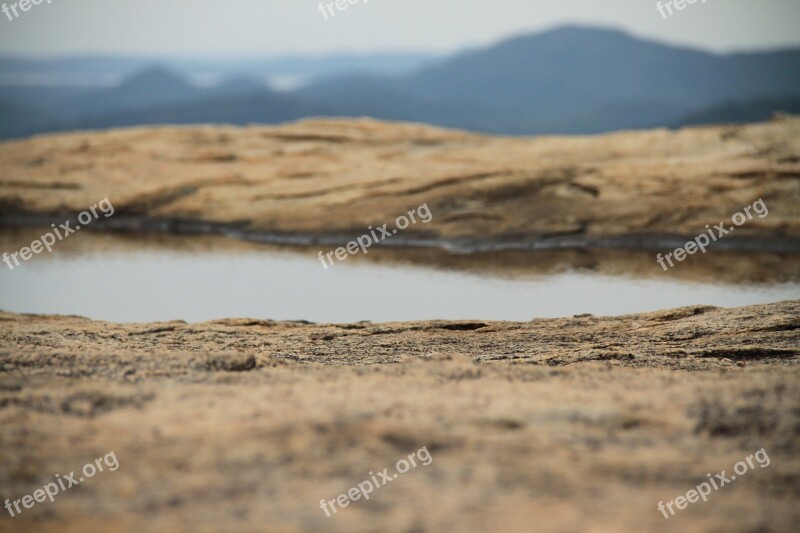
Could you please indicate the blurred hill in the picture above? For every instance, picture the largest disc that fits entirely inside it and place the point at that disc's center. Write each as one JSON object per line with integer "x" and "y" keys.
{"x": 743, "y": 112}
{"x": 98, "y": 69}
{"x": 570, "y": 80}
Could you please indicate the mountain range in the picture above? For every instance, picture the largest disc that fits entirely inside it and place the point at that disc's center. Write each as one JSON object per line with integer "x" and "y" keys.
{"x": 569, "y": 80}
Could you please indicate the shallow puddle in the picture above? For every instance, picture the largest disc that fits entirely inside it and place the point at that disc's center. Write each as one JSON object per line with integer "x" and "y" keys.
{"x": 142, "y": 279}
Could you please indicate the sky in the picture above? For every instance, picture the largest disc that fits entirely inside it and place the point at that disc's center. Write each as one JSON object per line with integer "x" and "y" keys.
{"x": 223, "y": 28}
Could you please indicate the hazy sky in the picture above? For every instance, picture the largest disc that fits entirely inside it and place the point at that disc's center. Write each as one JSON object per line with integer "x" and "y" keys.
{"x": 274, "y": 27}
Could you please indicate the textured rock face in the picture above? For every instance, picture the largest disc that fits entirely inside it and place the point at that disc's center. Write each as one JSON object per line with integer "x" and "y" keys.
{"x": 691, "y": 338}
{"x": 572, "y": 424}
{"x": 328, "y": 177}
{"x": 582, "y": 423}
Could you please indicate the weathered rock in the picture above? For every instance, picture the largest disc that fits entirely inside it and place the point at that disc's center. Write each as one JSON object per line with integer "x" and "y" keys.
{"x": 577, "y": 423}
{"x": 337, "y": 177}
{"x": 581, "y": 423}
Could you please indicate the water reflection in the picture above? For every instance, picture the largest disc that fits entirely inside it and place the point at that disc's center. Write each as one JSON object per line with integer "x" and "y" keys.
{"x": 142, "y": 279}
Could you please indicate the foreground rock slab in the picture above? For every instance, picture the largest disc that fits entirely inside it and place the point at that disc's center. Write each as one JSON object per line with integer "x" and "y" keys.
{"x": 580, "y": 424}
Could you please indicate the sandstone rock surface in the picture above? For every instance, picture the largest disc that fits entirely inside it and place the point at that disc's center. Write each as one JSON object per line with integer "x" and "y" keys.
{"x": 580, "y": 424}
{"x": 572, "y": 424}
{"x": 334, "y": 177}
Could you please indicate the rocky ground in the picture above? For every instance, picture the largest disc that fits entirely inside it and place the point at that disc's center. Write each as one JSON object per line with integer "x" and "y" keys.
{"x": 581, "y": 423}
{"x": 574, "y": 424}
{"x": 337, "y": 177}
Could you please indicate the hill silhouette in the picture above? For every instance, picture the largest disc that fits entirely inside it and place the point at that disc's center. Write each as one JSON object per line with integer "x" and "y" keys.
{"x": 569, "y": 80}
{"x": 572, "y": 80}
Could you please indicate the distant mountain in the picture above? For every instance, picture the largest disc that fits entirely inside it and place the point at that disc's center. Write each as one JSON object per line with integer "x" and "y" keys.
{"x": 570, "y": 80}
{"x": 262, "y": 106}
{"x": 156, "y": 96}
{"x": 42, "y": 96}
{"x": 17, "y": 116}
{"x": 240, "y": 84}
{"x": 100, "y": 68}
{"x": 364, "y": 95}
{"x": 742, "y": 112}
{"x": 153, "y": 87}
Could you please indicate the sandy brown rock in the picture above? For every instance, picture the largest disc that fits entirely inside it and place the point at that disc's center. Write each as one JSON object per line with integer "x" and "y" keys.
{"x": 692, "y": 338}
{"x": 339, "y": 176}
{"x": 573, "y": 424}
